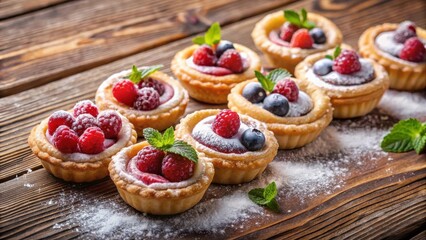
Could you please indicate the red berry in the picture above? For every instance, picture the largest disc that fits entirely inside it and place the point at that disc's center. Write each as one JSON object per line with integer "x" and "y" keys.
{"x": 148, "y": 99}
{"x": 287, "y": 31}
{"x": 347, "y": 62}
{"x": 149, "y": 178}
{"x": 176, "y": 168}
{"x": 226, "y": 123}
{"x": 204, "y": 56}
{"x": 65, "y": 139}
{"x": 405, "y": 31}
{"x": 92, "y": 141}
{"x": 149, "y": 160}
{"x": 110, "y": 123}
{"x": 83, "y": 122}
{"x": 125, "y": 92}
{"x": 301, "y": 39}
{"x": 59, "y": 118}
{"x": 288, "y": 88}
{"x": 231, "y": 60}
{"x": 85, "y": 106}
{"x": 150, "y": 82}
{"x": 413, "y": 50}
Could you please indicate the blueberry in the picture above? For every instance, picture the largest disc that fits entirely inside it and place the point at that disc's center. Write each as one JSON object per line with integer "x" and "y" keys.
{"x": 253, "y": 139}
{"x": 223, "y": 46}
{"x": 254, "y": 92}
{"x": 276, "y": 104}
{"x": 323, "y": 66}
{"x": 318, "y": 35}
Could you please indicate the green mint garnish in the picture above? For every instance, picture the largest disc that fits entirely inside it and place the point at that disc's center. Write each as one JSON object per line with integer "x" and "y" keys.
{"x": 265, "y": 196}
{"x": 167, "y": 143}
{"x": 300, "y": 20}
{"x": 138, "y": 75}
{"x": 268, "y": 82}
{"x": 405, "y": 136}
{"x": 211, "y": 37}
{"x": 336, "y": 53}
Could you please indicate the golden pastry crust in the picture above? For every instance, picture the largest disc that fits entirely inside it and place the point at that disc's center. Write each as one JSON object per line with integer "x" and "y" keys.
{"x": 287, "y": 57}
{"x": 230, "y": 168}
{"x": 291, "y": 132}
{"x": 160, "y": 201}
{"x": 208, "y": 88}
{"x": 62, "y": 166}
{"x": 160, "y": 118}
{"x": 403, "y": 75}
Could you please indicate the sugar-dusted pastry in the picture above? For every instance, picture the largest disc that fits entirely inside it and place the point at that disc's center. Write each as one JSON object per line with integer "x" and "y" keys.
{"x": 401, "y": 50}
{"x": 146, "y": 96}
{"x": 162, "y": 175}
{"x": 77, "y": 146}
{"x": 286, "y": 38}
{"x": 211, "y": 67}
{"x": 355, "y": 85}
{"x": 239, "y": 146}
{"x": 296, "y": 111}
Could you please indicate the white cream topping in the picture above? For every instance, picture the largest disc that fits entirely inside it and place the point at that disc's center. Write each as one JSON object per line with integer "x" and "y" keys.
{"x": 366, "y": 74}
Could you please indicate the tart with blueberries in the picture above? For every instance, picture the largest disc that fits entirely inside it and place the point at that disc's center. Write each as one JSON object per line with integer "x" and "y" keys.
{"x": 239, "y": 146}
{"x": 211, "y": 67}
{"x": 400, "y": 49}
{"x": 287, "y": 38}
{"x": 295, "y": 111}
{"x": 77, "y": 145}
{"x": 146, "y": 96}
{"x": 355, "y": 85}
{"x": 162, "y": 175}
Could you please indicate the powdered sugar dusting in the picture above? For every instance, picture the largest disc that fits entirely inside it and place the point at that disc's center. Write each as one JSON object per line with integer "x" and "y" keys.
{"x": 404, "y": 105}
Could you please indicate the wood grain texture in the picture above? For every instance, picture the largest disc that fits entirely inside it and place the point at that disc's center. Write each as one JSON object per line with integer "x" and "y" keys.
{"x": 12, "y": 8}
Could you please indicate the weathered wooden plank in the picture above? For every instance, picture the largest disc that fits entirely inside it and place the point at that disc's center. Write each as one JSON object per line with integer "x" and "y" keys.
{"x": 12, "y": 8}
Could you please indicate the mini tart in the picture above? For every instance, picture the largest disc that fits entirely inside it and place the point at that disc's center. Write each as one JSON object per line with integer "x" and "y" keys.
{"x": 290, "y": 132}
{"x": 160, "y": 118}
{"x": 231, "y": 168}
{"x": 403, "y": 75}
{"x": 348, "y": 101}
{"x": 287, "y": 57}
{"x": 77, "y": 167}
{"x": 158, "y": 201}
{"x": 209, "y": 88}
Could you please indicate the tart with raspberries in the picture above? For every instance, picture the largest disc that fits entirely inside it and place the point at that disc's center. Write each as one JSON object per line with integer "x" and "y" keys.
{"x": 239, "y": 146}
{"x": 401, "y": 50}
{"x": 77, "y": 145}
{"x": 287, "y": 38}
{"x": 146, "y": 96}
{"x": 355, "y": 85}
{"x": 162, "y": 175}
{"x": 295, "y": 111}
{"x": 211, "y": 67}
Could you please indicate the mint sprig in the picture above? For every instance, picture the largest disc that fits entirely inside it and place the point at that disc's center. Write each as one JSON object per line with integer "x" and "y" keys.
{"x": 406, "y": 135}
{"x": 211, "y": 37}
{"x": 265, "y": 196}
{"x": 138, "y": 75}
{"x": 300, "y": 20}
{"x": 166, "y": 142}
{"x": 268, "y": 82}
{"x": 336, "y": 53}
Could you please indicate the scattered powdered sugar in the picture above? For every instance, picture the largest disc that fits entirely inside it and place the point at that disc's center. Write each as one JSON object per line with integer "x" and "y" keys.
{"x": 404, "y": 105}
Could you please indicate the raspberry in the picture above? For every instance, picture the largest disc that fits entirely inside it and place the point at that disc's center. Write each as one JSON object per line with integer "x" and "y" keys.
{"x": 125, "y": 92}
{"x": 347, "y": 62}
{"x": 176, "y": 168}
{"x": 110, "y": 123}
{"x": 231, "y": 60}
{"x": 287, "y": 31}
{"x": 85, "y": 106}
{"x": 226, "y": 123}
{"x": 149, "y": 160}
{"x": 301, "y": 39}
{"x": 84, "y": 121}
{"x": 405, "y": 31}
{"x": 288, "y": 88}
{"x": 92, "y": 141}
{"x": 65, "y": 139}
{"x": 148, "y": 99}
{"x": 59, "y": 118}
{"x": 204, "y": 56}
{"x": 150, "y": 82}
{"x": 413, "y": 50}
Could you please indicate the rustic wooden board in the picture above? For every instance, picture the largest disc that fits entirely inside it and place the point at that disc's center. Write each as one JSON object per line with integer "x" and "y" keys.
{"x": 12, "y": 8}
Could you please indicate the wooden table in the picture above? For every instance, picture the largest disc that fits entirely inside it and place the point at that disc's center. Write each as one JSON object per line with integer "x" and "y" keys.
{"x": 54, "y": 53}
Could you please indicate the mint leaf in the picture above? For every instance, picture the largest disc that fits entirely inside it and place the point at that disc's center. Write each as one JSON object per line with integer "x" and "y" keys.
{"x": 273, "y": 205}
{"x": 168, "y": 137}
{"x": 211, "y": 37}
{"x": 184, "y": 149}
{"x": 150, "y": 70}
{"x": 299, "y": 20}
{"x": 329, "y": 57}
{"x": 135, "y": 76}
{"x": 402, "y": 136}
{"x": 265, "y": 82}
{"x": 200, "y": 40}
{"x": 308, "y": 24}
{"x": 304, "y": 15}
{"x": 256, "y": 195}
{"x": 337, "y": 52}
{"x": 292, "y": 17}
{"x": 278, "y": 74}
{"x": 270, "y": 191}
{"x": 419, "y": 144}
{"x": 265, "y": 196}
{"x": 153, "y": 137}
